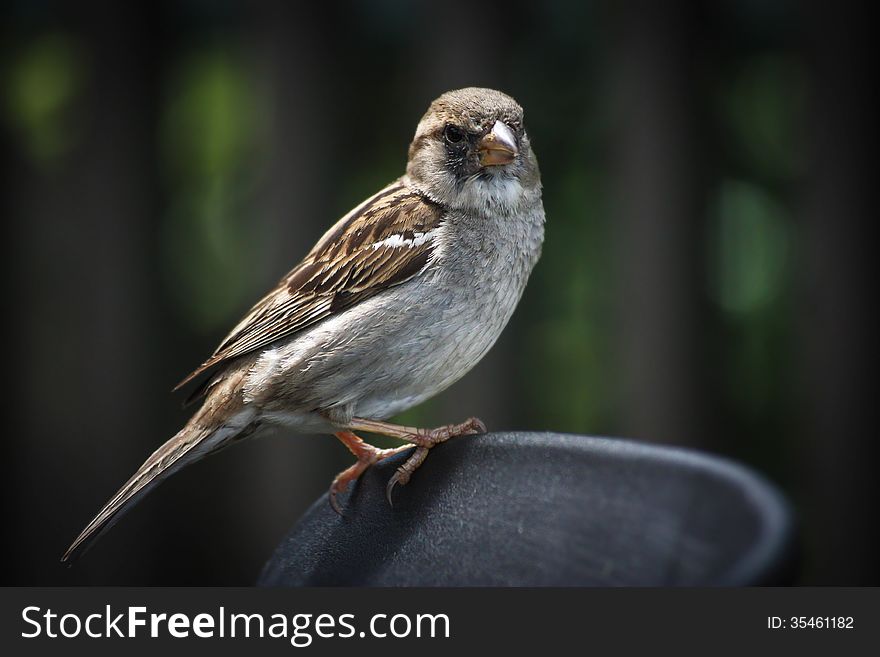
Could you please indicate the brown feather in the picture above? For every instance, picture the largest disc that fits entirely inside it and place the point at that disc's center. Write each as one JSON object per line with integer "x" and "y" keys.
{"x": 196, "y": 440}
{"x": 343, "y": 269}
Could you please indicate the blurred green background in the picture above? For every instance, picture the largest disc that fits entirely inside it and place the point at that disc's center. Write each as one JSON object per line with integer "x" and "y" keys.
{"x": 704, "y": 278}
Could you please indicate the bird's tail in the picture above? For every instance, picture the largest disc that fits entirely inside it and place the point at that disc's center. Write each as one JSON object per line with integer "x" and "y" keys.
{"x": 190, "y": 444}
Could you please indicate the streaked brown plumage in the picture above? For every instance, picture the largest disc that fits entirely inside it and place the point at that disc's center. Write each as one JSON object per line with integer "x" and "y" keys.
{"x": 338, "y": 272}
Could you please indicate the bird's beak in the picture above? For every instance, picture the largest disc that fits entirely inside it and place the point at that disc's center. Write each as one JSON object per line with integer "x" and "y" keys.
{"x": 498, "y": 147}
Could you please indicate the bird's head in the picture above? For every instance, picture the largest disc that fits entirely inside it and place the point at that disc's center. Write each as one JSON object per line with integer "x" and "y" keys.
{"x": 471, "y": 152}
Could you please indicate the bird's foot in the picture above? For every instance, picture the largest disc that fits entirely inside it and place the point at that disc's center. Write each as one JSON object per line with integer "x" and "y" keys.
{"x": 470, "y": 427}
{"x": 423, "y": 439}
{"x": 366, "y": 455}
{"x": 404, "y": 472}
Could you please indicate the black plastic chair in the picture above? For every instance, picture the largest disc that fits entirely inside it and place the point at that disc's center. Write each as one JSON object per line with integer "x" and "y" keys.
{"x": 541, "y": 509}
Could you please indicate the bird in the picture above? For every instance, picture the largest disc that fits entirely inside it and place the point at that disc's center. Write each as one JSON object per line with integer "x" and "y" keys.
{"x": 395, "y": 302}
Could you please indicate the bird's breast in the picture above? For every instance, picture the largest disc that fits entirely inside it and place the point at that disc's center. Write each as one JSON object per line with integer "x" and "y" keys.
{"x": 456, "y": 311}
{"x": 406, "y": 344}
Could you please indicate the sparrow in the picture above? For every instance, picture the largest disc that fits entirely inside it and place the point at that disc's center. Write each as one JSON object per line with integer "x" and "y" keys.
{"x": 396, "y": 302}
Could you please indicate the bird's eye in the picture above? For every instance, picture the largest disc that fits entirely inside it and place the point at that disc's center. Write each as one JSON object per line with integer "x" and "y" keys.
{"x": 453, "y": 134}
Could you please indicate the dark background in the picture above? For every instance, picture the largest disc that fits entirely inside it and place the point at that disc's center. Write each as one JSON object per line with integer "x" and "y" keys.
{"x": 704, "y": 279}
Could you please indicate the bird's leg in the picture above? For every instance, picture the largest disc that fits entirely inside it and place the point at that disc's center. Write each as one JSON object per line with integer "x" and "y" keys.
{"x": 423, "y": 439}
{"x": 366, "y": 456}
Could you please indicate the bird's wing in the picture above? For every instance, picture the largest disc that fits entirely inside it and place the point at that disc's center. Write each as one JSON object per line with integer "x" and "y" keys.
{"x": 383, "y": 242}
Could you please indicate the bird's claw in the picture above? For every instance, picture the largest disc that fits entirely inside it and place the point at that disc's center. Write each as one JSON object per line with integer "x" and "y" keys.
{"x": 404, "y": 472}
{"x": 334, "y": 503}
{"x": 390, "y": 487}
{"x": 474, "y": 426}
{"x": 400, "y": 477}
